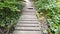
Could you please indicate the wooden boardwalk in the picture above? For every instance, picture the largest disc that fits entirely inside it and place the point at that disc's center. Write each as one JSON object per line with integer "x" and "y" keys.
{"x": 28, "y": 23}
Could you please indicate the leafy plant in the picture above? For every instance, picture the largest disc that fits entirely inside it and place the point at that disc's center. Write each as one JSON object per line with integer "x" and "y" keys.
{"x": 51, "y": 10}
{"x": 10, "y": 11}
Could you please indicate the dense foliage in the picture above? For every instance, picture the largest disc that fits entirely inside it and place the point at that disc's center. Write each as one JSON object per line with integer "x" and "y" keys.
{"x": 51, "y": 10}
{"x": 10, "y": 11}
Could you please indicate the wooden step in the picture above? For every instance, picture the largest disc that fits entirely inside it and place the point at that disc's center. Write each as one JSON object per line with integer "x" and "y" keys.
{"x": 28, "y": 19}
{"x": 27, "y": 24}
{"x": 27, "y": 32}
{"x": 29, "y": 13}
{"x": 28, "y": 16}
{"x": 27, "y": 28}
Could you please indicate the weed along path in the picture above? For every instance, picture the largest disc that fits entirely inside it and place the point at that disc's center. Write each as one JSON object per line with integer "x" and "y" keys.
{"x": 28, "y": 23}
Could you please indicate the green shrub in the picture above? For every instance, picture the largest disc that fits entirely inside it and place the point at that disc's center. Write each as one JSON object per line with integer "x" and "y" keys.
{"x": 51, "y": 11}
{"x": 10, "y": 11}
